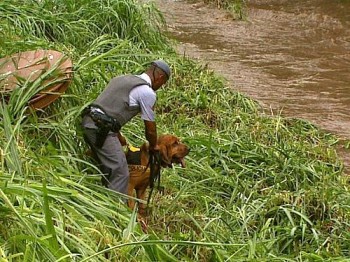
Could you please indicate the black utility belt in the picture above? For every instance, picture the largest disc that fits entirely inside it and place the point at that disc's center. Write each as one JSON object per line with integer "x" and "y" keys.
{"x": 103, "y": 120}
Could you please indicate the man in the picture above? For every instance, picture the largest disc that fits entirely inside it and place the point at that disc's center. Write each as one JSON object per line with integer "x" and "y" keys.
{"x": 122, "y": 99}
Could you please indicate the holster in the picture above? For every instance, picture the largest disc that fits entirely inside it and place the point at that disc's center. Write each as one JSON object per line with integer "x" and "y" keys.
{"x": 104, "y": 123}
{"x": 101, "y": 136}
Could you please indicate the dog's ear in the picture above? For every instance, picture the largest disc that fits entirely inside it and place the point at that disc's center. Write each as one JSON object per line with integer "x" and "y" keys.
{"x": 164, "y": 153}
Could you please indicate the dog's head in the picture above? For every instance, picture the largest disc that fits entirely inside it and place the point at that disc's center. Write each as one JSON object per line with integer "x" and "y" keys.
{"x": 172, "y": 150}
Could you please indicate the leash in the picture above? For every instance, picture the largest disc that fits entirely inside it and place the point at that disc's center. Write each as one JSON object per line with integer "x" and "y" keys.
{"x": 154, "y": 164}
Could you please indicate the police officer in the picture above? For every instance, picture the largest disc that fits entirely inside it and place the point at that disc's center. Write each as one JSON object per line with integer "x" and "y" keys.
{"x": 122, "y": 99}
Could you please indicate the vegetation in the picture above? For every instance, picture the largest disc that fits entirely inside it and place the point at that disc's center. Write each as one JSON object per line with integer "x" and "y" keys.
{"x": 257, "y": 187}
{"x": 237, "y": 8}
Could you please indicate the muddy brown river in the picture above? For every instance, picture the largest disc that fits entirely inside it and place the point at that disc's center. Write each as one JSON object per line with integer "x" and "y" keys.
{"x": 293, "y": 57}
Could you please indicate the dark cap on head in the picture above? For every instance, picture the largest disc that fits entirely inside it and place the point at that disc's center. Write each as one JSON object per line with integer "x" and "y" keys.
{"x": 163, "y": 66}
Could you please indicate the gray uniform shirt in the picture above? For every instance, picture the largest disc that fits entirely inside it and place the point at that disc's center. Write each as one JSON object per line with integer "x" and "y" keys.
{"x": 145, "y": 97}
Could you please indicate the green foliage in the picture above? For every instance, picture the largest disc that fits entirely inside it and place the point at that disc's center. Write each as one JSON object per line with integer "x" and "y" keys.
{"x": 267, "y": 183}
{"x": 237, "y": 8}
{"x": 78, "y": 23}
{"x": 257, "y": 187}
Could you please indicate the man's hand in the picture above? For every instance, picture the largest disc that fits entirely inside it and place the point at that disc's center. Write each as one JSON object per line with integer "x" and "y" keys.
{"x": 153, "y": 150}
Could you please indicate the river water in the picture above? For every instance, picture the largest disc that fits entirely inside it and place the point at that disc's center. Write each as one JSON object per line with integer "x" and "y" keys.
{"x": 293, "y": 57}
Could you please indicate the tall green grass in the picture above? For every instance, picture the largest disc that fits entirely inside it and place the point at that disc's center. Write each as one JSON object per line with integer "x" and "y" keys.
{"x": 257, "y": 187}
{"x": 76, "y": 24}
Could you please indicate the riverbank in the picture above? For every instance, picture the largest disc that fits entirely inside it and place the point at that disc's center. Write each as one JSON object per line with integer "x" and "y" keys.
{"x": 256, "y": 187}
{"x": 294, "y": 62}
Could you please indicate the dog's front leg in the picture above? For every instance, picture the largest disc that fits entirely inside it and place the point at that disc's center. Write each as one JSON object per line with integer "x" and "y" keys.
{"x": 131, "y": 202}
{"x": 140, "y": 193}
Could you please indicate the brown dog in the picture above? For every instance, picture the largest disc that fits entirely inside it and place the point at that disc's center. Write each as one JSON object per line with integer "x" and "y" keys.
{"x": 171, "y": 150}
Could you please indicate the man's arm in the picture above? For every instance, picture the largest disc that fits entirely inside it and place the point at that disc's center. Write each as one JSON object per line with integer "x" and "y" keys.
{"x": 151, "y": 134}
